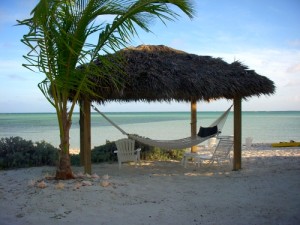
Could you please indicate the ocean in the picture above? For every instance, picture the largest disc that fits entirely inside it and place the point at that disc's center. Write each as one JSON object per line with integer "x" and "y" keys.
{"x": 263, "y": 127}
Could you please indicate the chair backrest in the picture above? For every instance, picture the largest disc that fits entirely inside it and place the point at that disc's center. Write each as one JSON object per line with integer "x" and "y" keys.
{"x": 125, "y": 149}
{"x": 223, "y": 148}
{"x": 212, "y": 142}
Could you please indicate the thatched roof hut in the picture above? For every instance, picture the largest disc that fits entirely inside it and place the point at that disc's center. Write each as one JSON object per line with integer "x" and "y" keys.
{"x": 160, "y": 73}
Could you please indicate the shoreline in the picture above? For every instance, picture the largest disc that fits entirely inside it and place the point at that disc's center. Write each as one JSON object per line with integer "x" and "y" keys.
{"x": 256, "y": 146}
{"x": 265, "y": 191}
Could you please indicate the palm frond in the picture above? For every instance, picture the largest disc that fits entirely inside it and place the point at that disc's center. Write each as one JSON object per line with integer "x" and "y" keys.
{"x": 58, "y": 32}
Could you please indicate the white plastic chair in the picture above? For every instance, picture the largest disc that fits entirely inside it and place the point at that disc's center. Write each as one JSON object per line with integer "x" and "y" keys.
{"x": 220, "y": 154}
{"x": 212, "y": 143}
{"x": 249, "y": 141}
{"x": 126, "y": 151}
{"x": 207, "y": 149}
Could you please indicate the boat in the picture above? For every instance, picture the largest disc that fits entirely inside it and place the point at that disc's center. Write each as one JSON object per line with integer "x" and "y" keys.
{"x": 286, "y": 144}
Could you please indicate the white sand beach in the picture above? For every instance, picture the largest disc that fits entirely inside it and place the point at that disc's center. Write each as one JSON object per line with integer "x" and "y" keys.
{"x": 265, "y": 191}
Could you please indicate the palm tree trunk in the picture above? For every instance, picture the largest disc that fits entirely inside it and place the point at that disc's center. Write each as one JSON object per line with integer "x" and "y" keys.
{"x": 64, "y": 170}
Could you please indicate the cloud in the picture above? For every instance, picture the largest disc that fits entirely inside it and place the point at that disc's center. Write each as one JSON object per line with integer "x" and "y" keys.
{"x": 279, "y": 65}
{"x": 294, "y": 43}
{"x": 294, "y": 68}
{"x": 11, "y": 71}
{"x": 10, "y": 66}
{"x": 16, "y": 77}
{"x": 293, "y": 83}
{"x": 276, "y": 64}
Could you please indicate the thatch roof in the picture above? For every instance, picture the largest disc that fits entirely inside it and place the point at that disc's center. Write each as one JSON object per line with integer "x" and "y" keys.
{"x": 160, "y": 73}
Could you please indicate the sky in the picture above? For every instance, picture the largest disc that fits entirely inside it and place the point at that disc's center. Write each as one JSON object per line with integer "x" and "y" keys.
{"x": 262, "y": 34}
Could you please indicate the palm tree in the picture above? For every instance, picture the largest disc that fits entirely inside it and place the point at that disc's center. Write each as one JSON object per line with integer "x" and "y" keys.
{"x": 58, "y": 41}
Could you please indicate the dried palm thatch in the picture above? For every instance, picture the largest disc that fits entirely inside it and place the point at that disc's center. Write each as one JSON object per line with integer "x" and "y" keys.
{"x": 159, "y": 73}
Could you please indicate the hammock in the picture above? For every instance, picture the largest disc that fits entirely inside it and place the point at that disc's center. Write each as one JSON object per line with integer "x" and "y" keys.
{"x": 172, "y": 144}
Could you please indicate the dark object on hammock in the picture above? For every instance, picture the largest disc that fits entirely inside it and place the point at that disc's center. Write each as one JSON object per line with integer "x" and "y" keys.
{"x": 207, "y": 131}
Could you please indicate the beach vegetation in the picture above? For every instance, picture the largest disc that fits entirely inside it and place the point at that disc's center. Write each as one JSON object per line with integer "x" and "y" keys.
{"x": 160, "y": 154}
{"x": 59, "y": 41}
{"x": 16, "y": 152}
{"x": 105, "y": 153}
{"x": 99, "y": 154}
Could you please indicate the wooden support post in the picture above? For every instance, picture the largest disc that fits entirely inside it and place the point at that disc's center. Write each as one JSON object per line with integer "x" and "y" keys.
{"x": 237, "y": 154}
{"x": 81, "y": 124}
{"x": 86, "y": 135}
{"x": 193, "y": 122}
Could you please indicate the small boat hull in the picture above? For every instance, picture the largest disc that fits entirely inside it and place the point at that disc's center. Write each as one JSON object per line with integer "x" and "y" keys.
{"x": 286, "y": 144}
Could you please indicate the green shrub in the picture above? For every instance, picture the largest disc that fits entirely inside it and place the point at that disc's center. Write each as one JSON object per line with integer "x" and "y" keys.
{"x": 75, "y": 159}
{"x": 104, "y": 153}
{"x": 155, "y": 153}
{"x": 45, "y": 154}
{"x": 16, "y": 152}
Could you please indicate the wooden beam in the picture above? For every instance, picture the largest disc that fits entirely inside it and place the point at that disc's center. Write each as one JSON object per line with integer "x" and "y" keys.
{"x": 237, "y": 153}
{"x": 193, "y": 122}
{"x": 86, "y": 135}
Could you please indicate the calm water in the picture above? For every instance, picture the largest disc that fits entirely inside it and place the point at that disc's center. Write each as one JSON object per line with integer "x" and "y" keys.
{"x": 262, "y": 126}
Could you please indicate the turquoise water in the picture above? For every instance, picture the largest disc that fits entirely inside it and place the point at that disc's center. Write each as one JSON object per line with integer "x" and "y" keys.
{"x": 262, "y": 126}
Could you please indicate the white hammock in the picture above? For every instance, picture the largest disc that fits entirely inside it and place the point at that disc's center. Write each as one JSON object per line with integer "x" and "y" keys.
{"x": 172, "y": 144}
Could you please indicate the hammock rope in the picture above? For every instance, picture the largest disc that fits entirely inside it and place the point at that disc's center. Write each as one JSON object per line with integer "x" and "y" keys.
{"x": 172, "y": 144}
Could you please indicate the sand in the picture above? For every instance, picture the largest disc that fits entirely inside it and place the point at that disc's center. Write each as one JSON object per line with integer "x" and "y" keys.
{"x": 265, "y": 191}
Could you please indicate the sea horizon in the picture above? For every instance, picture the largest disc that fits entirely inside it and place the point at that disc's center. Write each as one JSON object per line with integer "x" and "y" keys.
{"x": 154, "y": 111}
{"x": 262, "y": 126}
